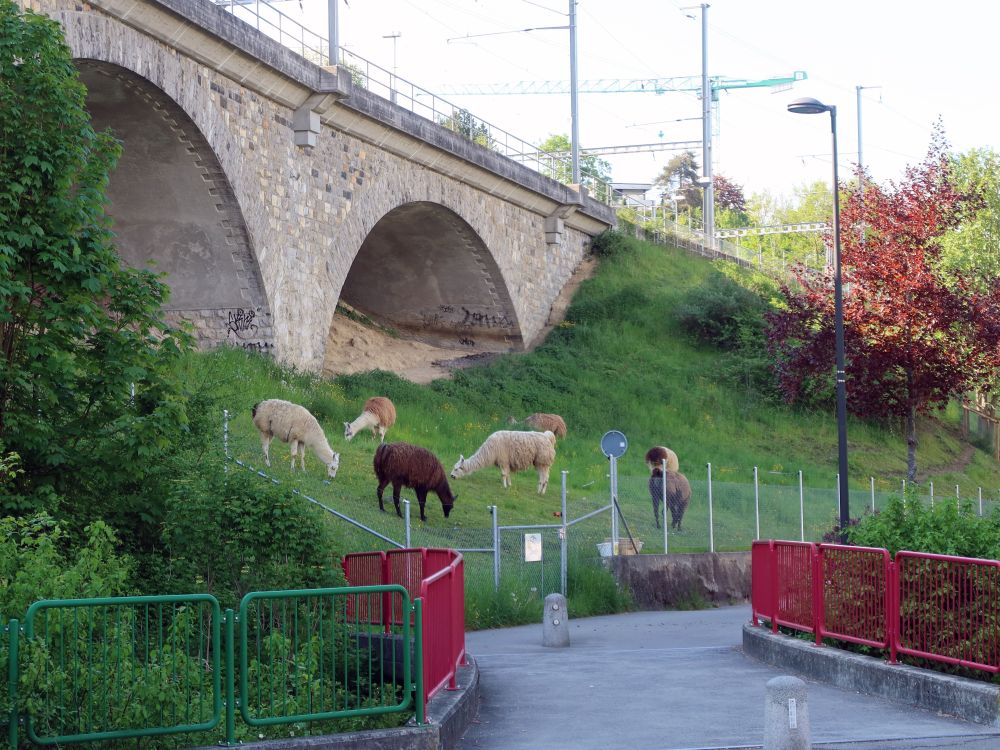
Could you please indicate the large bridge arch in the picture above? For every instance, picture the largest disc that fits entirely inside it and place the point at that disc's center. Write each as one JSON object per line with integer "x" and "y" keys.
{"x": 425, "y": 271}
{"x": 174, "y": 210}
{"x": 300, "y": 166}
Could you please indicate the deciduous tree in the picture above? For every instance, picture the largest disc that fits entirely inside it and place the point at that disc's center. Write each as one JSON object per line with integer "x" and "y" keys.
{"x": 728, "y": 195}
{"x": 913, "y": 339}
{"x": 592, "y": 167}
{"x": 679, "y": 176}
{"x": 79, "y": 333}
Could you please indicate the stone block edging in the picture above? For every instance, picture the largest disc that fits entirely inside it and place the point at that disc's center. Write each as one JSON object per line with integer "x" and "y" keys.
{"x": 963, "y": 698}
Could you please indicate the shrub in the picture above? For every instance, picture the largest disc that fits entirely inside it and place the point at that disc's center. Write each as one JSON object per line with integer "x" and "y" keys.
{"x": 610, "y": 243}
{"x": 35, "y": 563}
{"x": 942, "y": 529}
{"x": 723, "y": 313}
{"x": 230, "y": 533}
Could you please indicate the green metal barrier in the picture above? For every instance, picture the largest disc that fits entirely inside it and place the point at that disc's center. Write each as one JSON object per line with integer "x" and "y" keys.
{"x": 315, "y": 654}
{"x": 13, "y": 631}
{"x": 112, "y": 668}
{"x": 128, "y": 667}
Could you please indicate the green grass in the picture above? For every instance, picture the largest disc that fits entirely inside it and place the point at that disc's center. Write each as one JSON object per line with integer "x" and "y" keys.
{"x": 618, "y": 361}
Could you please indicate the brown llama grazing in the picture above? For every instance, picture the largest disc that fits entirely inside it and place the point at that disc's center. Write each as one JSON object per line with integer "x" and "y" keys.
{"x": 656, "y": 455}
{"x": 541, "y": 422}
{"x": 406, "y": 465}
{"x": 678, "y": 495}
{"x": 378, "y": 415}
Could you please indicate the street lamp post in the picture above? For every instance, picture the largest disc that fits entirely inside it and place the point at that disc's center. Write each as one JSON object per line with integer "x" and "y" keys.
{"x": 808, "y": 106}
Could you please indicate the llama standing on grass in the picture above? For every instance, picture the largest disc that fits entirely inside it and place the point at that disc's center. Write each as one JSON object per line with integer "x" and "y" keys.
{"x": 678, "y": 495}
{"x": 511, "y": 450}
{"x": 405, "y": 465}
{"x": 293, "y": 424}
{"x": 542, "y": 422}
{"x": 378, "y": 415}
{"x": 656, "y": 455}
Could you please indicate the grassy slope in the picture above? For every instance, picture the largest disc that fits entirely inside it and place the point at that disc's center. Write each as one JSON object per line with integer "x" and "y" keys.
{"x": 619, "y": 362}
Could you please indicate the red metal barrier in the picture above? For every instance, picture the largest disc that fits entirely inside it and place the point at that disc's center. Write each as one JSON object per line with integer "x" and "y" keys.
{"x": 793, "y": 584}
{"x": 438, "y": 577}
{"x": 763, "y": 592}
{"x": 935, "y": 607}
{"x": 948, "y": 609}
{"x": 444, "y": 642}
{"x": 367, "y": 569}
{"x": 854, "y": 601}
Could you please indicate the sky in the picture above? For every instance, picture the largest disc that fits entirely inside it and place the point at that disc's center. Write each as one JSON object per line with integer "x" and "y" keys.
{"x": 922, "y": 60}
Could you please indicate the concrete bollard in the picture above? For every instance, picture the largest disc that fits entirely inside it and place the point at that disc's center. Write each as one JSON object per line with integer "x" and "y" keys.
{"x": 555, "y": 622}
{"x": 786, "y": 715}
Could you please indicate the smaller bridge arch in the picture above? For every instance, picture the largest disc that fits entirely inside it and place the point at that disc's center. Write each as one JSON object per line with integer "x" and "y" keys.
{"x": 425, "y": 271}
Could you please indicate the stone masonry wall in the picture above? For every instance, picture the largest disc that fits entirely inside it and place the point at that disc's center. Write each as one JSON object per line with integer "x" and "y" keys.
{"x": 308, "y": 210}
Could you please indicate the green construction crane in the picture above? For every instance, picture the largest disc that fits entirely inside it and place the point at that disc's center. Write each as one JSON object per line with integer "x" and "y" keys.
{"x": 624, "y": 85}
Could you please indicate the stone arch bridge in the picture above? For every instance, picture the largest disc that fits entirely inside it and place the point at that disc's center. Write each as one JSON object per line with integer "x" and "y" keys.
{"x": 269, "y": 189}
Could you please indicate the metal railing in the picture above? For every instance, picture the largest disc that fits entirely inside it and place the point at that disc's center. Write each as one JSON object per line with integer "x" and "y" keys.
{"x": 935, "y": 607}
{"x": 106, "y": 669}
{"x": 681, "y": 235}
{"x": 384, "y": 83}
{"x": 436, "y": 578}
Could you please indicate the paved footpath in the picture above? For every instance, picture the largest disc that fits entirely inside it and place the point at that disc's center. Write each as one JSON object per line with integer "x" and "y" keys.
{"x": 670, "y": 681}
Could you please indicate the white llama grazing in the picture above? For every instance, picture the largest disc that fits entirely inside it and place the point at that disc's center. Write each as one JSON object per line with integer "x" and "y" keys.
{"x": 511, "y": 450}
{"x": 293, "y": 424}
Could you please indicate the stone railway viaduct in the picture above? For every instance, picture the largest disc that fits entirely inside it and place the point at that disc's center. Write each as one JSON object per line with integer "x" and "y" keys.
{"x": 268, "y": 189}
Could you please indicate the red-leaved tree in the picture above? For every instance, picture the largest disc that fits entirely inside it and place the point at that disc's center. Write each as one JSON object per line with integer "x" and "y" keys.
{"x": 913, "y": 339}
{"x": 728, "y": 195}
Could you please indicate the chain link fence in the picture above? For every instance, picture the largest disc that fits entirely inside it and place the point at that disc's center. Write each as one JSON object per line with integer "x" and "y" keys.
{"x": 723, "y": 515}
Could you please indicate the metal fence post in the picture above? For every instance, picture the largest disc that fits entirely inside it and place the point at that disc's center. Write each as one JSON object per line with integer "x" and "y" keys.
{"x": 958, "y": 497}
{"x": 932, "y": 493}
{"x": 802, "y": 510}
{"x": 406, "y": 521}
{"x": 873, "y": 493}
{"x": 13, "y": 633}
{"x": 711, "y": 527}
{"x": 496, "y": 549}
{"x": 230, "y": 678}
{"x": 614, "y": 505}
{"x": 418, "y": 666}
{"x": 756, "y": 502}
{"x": 563, "y": 542}
{"x": 663, "y": 498}
{"x": 980, "y": 501}
{"x": 225, "y": 439}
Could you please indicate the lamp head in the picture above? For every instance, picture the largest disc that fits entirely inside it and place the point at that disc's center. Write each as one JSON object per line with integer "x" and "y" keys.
{"x": 808, "y": 106}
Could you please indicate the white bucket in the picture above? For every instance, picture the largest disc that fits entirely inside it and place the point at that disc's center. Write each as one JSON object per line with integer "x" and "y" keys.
{"x": 604, "y": 549}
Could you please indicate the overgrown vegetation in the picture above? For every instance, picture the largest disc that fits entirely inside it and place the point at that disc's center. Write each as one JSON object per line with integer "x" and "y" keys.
{"x": 945, "y": 528}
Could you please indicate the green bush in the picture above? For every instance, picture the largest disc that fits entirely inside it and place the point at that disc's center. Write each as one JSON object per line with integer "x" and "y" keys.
{"x": 942, "y": 529}
{"x": 610, "y": 243}
{"x": 36, "y": 562}
{"x": 229, "y": 533}
{"x": 723, "y": 313}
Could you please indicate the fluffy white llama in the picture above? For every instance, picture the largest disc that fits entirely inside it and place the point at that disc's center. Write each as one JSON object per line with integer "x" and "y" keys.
{"x": 511, "y": 450}
{"x": 293, "y": 424}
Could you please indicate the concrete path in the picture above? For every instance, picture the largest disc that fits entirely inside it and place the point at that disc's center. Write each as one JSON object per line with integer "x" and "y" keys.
{"x": 669, "y": 681}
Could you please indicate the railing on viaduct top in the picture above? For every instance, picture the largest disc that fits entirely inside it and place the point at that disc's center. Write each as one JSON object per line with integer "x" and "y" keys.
{"x": 935, "y": 607}
{"x": 291, "y": 33}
